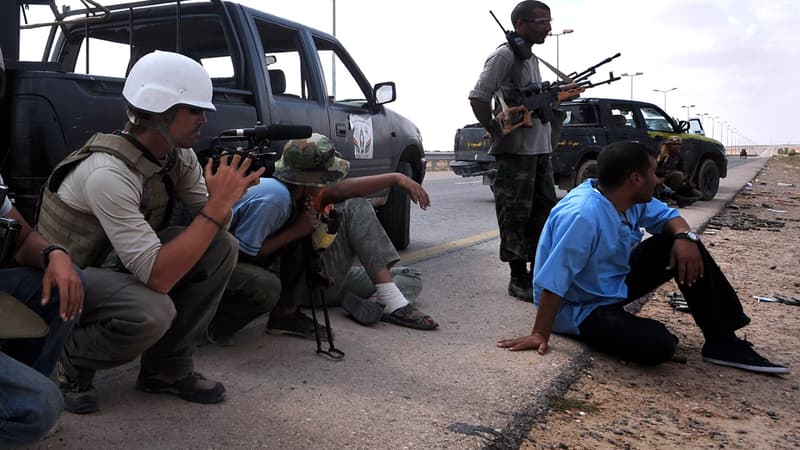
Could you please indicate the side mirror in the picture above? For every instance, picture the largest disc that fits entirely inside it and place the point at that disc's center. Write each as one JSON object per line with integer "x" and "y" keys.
{"x": 270, "y": 60}
{"x": 683, "y": 126}
{"x": 385, "y": 92}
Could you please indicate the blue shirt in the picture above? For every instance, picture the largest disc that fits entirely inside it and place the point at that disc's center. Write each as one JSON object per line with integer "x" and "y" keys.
{"x": 584, "y": 250}
{"x": 263, "y": 209}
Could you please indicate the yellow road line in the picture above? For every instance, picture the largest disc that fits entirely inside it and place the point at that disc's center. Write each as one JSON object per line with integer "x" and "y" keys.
{"x": 417, "y": 255}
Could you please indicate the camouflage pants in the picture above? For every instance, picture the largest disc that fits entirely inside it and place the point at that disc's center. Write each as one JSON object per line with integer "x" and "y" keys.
{"x": 524, "y": 193}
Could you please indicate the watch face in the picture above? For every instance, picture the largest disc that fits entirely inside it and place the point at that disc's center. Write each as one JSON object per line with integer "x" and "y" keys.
{"x": 692, "y": 236}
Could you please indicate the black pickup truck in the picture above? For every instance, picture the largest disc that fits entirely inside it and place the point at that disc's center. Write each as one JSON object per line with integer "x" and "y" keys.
{"x": 592, "y": 123}
{"x": 265, "y": 70}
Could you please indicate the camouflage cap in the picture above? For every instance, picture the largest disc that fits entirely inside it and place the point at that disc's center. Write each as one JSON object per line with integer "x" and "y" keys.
{"x": 310, "y": 162}
{"x": 18, "y": 321}
{"x": 674, "y": 140}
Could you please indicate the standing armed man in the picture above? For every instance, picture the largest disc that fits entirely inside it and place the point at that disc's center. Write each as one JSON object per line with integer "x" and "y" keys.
{"x": 150, "y": 289}
{"x": 524, "y": 190}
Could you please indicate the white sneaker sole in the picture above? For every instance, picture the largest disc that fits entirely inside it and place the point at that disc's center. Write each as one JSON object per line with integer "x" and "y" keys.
{"x": 759, "y": 369}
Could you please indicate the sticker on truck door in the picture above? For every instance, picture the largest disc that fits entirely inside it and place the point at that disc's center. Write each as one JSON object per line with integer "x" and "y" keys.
{"x": 362, "y": 136}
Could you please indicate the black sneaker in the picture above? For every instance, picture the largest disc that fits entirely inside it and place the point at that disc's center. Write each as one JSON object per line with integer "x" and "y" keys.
{"x": 193, "y": 387}
{"x": 521, "y": 288}
{"x": 296, "y": 324}
{"x": 362, "y": 310}
{"x": 739, "y": 353}
{"x": 80, "y": 396}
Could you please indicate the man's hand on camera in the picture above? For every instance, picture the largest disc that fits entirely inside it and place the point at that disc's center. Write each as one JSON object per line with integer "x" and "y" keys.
{"x": 230, "y": 181}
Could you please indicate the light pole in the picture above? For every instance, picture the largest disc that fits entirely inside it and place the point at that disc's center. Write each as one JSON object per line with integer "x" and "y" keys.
{"x": 564, "y": 31}
{"x": 722, "y": 131}
{"x": 333, "y": 54}
{"x": 665, "y": 91}
{"x": 713, "y": 131}
{"x": 631, "y": 75}
{"x": 688, "y": 108}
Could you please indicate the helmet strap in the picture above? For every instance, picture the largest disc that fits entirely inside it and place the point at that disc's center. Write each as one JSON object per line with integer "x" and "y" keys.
{"x": 160, "y": 123}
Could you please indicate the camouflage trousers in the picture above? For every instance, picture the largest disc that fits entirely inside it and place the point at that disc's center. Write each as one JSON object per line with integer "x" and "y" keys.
{"x": 524, "y": 194}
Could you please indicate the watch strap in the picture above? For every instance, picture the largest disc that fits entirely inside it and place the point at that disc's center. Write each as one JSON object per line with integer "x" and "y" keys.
{"x": 49, "y": 249}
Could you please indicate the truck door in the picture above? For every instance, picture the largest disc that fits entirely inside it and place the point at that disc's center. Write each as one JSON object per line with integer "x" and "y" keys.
{"x": 360, "y": 128}
{"x": 296, "y": 95}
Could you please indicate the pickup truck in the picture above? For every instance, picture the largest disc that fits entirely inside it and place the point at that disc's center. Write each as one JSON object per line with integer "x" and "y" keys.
{"x": 265, "y": 70}
{"x": 589, "y": 125}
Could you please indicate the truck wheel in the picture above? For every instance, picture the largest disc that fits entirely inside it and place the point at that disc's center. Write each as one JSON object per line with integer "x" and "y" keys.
{"x": 395, "y": 215}
{"x": 708, "y": 179}
{"x": 587, "y": 169}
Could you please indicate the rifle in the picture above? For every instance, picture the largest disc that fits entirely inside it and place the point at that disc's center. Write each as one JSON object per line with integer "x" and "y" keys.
{"x": 538, "y": 99}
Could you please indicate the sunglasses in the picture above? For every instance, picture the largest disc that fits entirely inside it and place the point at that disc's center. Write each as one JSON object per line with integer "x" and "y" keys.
{"x": 540, "y": 21}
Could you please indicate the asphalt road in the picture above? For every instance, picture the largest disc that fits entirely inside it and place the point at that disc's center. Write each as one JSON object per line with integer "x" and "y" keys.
{"x": 396, "y": 388}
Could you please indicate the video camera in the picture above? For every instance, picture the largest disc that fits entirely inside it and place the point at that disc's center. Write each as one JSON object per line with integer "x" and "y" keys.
{"x": 256, "y": 142}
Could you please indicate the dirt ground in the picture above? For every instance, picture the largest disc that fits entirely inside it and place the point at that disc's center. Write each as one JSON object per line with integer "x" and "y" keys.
{"x": 756, "y": 242}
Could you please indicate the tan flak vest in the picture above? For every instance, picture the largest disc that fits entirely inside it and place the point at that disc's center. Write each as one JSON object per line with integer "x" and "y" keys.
{"x": 81, "y": 232}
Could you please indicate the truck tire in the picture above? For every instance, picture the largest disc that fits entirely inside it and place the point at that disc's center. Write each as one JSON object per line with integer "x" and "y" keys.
{"x": 587, "y": 169}
{"x": 708, "y": 179}
{"x": 395, "y": 215}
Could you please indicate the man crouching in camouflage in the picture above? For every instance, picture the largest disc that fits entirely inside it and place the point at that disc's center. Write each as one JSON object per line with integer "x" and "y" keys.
{"x": 274, "y": 219}
{"x": 150, "y": 289}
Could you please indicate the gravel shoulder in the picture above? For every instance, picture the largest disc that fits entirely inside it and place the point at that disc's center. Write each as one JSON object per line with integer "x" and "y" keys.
{"x": 695, "y": 404}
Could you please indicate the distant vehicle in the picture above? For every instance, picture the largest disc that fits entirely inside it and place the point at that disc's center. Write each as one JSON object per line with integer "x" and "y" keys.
{"x": 591, "y": 124}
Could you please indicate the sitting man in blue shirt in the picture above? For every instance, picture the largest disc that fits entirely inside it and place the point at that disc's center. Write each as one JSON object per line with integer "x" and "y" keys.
{"x": 273, "y": 219}
{"x": 590, "y": 263}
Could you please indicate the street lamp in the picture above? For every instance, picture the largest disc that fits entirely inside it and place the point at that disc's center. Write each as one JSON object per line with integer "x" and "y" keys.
{"x": 713, "y": 118}
{"x": 564, "y": 31}
{"x": 631, "y": 75}
{"x": 665, "y": 96}
{"x": 333, "y": 54}
{"x": 688, "y": 108}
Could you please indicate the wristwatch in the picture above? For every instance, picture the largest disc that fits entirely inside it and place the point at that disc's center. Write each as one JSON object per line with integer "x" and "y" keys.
{"x": 49, "y": 249}
{"x": 688, "y": 235}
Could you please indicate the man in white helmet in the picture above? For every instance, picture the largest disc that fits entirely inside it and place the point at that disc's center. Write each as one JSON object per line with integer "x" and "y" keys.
{"x": 151, "y": 289}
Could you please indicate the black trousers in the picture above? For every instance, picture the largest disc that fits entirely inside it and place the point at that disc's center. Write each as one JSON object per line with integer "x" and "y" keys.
{"x": 714, "y": 305}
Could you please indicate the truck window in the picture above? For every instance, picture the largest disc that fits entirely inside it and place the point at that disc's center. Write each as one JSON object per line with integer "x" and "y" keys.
{"x": 202, "y": 38}
{"x": 622, "y": 117}
{"x": 656, "y": 121}
{"x": 580, "y": 115}
{"x": 341, "y": 80}
{"x": 286, "y": 68}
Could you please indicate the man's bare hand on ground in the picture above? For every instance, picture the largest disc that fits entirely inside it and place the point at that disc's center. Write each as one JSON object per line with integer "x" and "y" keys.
{"x": 531, "y": 342}
{"x": 60, "y": 273}
{"x": 230, "y": 181}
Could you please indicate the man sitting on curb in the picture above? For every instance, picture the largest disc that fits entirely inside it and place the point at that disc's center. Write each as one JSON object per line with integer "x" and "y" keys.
{"x": 591, "y": 261}
{"x": 674, "y": 184}
{"x": 276, "y": 215}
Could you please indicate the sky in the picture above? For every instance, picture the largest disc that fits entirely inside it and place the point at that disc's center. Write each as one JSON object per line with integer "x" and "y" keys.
{"x": 735, "y": 60}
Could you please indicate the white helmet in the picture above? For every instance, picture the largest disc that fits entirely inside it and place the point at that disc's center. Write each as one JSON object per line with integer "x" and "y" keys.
{"x": 161, "y": 80}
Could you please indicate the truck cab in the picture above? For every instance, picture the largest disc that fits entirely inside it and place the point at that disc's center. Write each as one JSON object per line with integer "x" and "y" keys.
{"x": 264, "y": 69}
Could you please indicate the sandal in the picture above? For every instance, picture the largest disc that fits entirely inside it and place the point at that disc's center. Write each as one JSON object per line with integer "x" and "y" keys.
{"x": 410, "y": 317}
